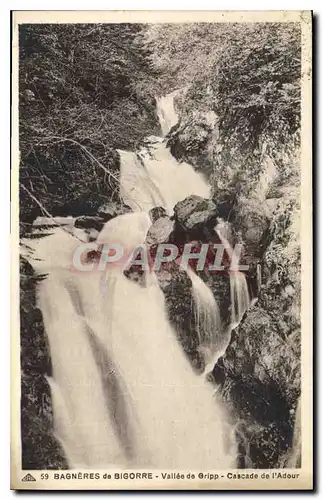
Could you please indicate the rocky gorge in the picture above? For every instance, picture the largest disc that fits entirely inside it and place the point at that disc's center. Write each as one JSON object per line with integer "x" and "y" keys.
{"x": 255, "y": 196}
{"x": 259, "y": 373}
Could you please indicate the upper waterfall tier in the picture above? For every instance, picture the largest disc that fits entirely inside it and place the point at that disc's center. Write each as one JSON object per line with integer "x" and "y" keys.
{"x": 166, "y": 112}
{"x": 153, "y": 177}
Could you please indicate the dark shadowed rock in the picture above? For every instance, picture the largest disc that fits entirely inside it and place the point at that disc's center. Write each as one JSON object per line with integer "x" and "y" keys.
{"x": 40, "y": 447}
{"x": 251, "y": 221}
{"x": 112, "y": 209}
{"x": 136, "y": 275}
{"x": 160, "y": 231}
{"x": 226, "y": 200}
{"x": 194, "y": 212}
{"x": 259, "y": 376}
{"x": 157, "y": 212}
{"x": 219, "y": 283}
{"x": 177, "y": 288}
{"x": 89, "y": 222}
{"x": 193, "y": 139}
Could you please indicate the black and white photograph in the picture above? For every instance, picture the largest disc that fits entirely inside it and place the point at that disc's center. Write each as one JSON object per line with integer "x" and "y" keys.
{"x": 163, "y": 216}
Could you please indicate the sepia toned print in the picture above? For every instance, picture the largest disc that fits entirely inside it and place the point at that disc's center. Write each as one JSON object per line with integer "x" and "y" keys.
{"x": 162, "y": 331}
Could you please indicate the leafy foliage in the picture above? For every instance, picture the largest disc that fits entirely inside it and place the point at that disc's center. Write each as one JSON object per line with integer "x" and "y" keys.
{"x": 78, "y": 102}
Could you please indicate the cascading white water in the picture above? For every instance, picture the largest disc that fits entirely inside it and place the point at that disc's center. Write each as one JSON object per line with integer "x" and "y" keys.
{"x": 157, "y": 179}
{"x": 239, "y": 293}
{"x": 207, "y": 319}
{"x": 123, "y": 392}
{"x": 166, "y": 112}
{"x": 81, "y": 417}
{"x": 153, "y": 176}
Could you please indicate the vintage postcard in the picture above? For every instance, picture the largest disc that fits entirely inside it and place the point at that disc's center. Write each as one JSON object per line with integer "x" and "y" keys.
{"x": 162, "y": 250}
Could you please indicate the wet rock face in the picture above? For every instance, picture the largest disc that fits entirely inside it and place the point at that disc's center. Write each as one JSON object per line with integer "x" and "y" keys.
{"x": 195, "y": 212}
{"x": 175, "y": 285}
{"x": 259, "y": 377}
{"x": 257, "y": 348}
{"x": 177, "y": 288}
{"x": 160, "y": 231}
{"x": 260, "y": 372}
{"x": 220, "y": 286}
{"x": 192, "y": 217}
{"x": 192, "y": 140}
{"x": 252, "y": 223}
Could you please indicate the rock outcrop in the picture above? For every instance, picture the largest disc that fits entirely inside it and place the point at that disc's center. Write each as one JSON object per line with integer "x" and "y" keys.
{"x": 112, "y": 209}
{"x": 160, "y": 231}
{"x": 256, "y": 193}
{"x": 260, "y": 372}
{"x": 194, "y": 213}
{"x": 192, "y": 223}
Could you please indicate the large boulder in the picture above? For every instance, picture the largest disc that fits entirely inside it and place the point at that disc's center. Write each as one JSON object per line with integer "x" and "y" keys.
{"x": 160, "y": 231}
{"x": 194, "y": 212}
{"x": 112, "y": 209}
{"x": 157, "y": 212}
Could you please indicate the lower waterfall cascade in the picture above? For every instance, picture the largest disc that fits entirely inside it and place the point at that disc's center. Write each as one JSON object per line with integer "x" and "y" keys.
{"x": 123, "y": 392}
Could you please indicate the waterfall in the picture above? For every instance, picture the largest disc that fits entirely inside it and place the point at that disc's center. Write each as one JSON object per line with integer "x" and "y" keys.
{"x": 166, "y": 112}
{"x": 239, "y": 293}
{"x": 157, "y": 179}
{"x": 239, "y": 297}
{"x": 153, "y": 176}
{"x": 207, "y": 319}
{"x": 69, "y": 303}
{"x": 154, "y": 396}
{"x": 123, "y": 392}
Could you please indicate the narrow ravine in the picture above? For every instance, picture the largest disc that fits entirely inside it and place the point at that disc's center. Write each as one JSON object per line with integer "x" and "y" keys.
{"x": 123, "y": 392}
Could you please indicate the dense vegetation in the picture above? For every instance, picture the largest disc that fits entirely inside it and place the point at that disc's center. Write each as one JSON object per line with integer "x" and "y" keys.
{"x": 80, "y": 99}
{"x": 86, "y": 90}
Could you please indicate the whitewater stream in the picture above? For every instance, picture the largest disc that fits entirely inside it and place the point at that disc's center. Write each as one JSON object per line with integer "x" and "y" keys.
{"x": 239, "y": 293}
{"x": 123, "y": 392}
